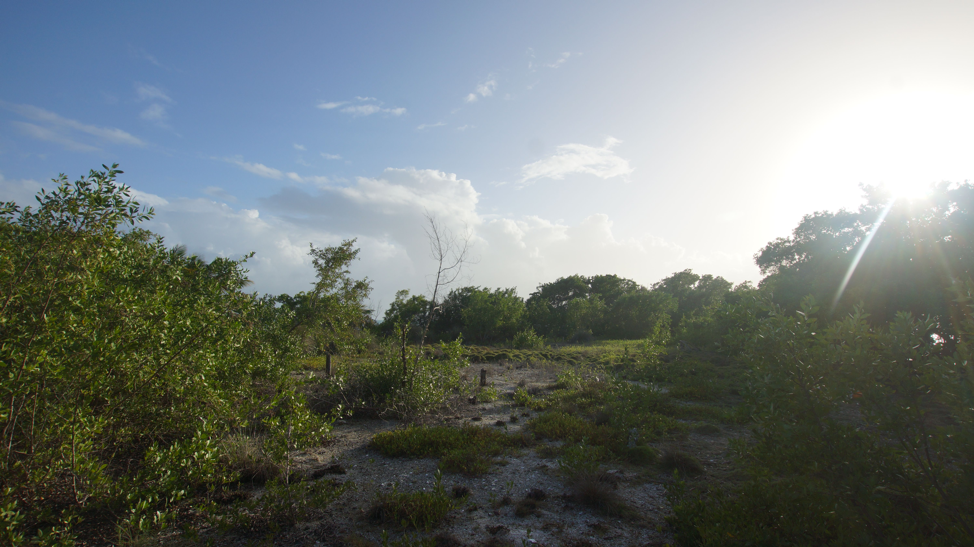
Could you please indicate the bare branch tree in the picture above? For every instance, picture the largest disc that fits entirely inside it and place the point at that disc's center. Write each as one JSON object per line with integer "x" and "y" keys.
{"x": 451, "y": 251}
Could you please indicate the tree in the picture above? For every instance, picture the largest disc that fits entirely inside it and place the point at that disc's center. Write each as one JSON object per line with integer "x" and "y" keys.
{"x": 405, "y": 310}
{"x": 493, "y": 315}
{"x": 331, "y": 314}
{"x": 891, "y": 255}
{"x": 450, "y": 251}
{"x": 694, "y": 294}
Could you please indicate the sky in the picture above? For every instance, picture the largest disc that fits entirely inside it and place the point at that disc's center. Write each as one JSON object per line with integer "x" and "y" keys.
{"x": 628, "y": 138}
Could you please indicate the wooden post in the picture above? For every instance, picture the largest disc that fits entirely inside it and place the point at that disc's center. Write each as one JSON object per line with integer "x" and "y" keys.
{"x": 483, "y": 377}
{"x": 328, "y": 365}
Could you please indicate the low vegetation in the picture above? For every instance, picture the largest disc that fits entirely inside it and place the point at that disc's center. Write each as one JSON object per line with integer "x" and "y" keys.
{"x": 145, "y": 390}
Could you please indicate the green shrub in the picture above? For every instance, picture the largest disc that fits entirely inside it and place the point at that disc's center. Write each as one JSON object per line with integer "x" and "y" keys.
{"x": 126, "y": 351}
{"x": 468, "y": 449}
{"x": 528, "y": 339}
{"x": 415, "y": 510}
{"x": 863, "y": 435}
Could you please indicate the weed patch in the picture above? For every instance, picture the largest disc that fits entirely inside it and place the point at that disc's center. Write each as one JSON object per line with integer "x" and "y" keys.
{"x": 415, "y": 510}
{"x": 466, "y": 450}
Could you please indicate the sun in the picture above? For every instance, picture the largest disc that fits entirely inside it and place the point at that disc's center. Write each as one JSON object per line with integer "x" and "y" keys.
{"x": 904, "y": 141}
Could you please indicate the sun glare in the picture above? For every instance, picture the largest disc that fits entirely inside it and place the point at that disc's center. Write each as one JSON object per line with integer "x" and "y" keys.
{"x": 905, "y": 141}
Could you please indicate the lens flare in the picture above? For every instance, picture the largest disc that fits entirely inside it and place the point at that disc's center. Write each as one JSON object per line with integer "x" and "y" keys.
{"x": 863, "y": 245}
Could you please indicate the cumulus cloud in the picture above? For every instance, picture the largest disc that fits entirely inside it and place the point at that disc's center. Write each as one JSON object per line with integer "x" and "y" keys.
{"x": 578, "y": 158}
{"x": 484, "y": 89}
{"x": 64, "y": 130}
{"x": 330, "y": 105}
{"x": 330, "y": 156}
{"x": 385, "y": 214}
{"x": 423, "y": 126}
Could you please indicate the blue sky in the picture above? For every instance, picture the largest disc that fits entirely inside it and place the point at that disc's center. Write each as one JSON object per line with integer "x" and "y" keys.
{"x": 635, "y": 138}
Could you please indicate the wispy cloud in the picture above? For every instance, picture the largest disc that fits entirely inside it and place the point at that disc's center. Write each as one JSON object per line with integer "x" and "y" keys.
{"x": 157, "y": 111}
{"x": 319, "y": 180}
{"x": 140, "y": 53}
{"x": 484, "y": 89}
{"x": 578, "y": 158}
{"x": 330, "y": 156}
{"x": 262, "y": 170}
{"x": 45, "y": 134}
{"x": 146, "y": 92}
{"x": 367, "y": 107}
{"x": 154, "y": 113}
{"x": 258, "y": 169}
{"x": 422, "y": 126}
{"x": 465, "y": 127}
{"x": 561, "y": 60}
{"x": 299, "y": 147}
{"x": 58, "y": 129}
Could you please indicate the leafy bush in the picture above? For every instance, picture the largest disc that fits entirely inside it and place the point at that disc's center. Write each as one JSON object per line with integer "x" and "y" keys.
{"x": 124, "y": 362}
{"x": 528, "y": 339}
{"x": 396, "y": 380}
{"x": 863, "y": 435}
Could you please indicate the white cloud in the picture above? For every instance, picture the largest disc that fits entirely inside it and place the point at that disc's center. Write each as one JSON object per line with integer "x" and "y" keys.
{"x": 422, "y": 126}
{"x": 154, "y": 113}
{"x": 578, "y": 158}
{"x": 561, "y": 60}
{"x": 312, "y": 179}
{"x": 258, "y": 169}
{"x": 45, "y": 134}
{"x": 372, "y": 106}
{"x": 299, "y": 147}
{"x": 362, "y": 109}
{"x": 385, "y": 214}
{"x": 21, "y": 191}
{"x": 219, "y": 193}
{"x": 146, "y": 92}
{"x": 330, "y": 156}
{"x": 369, "y": 109}
{"x": 484, "y": 89}
{"x": 59, "y": 127}
{"x": 146, "y": 199}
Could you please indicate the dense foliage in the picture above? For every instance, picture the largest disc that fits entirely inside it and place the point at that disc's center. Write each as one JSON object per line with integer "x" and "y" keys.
{"x": 124, "y": 363}
{"x": 910, "y": 253}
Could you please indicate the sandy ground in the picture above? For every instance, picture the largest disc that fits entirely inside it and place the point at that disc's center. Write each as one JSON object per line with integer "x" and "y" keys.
{"x": 484, "y": 518}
